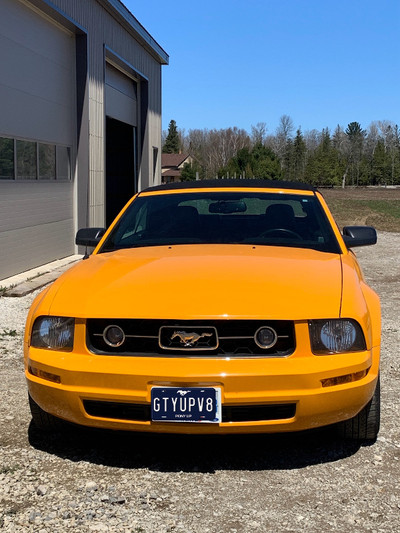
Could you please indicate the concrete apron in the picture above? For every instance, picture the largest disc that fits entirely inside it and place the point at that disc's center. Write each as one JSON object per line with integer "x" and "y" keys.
{"x": 27, "y": 282}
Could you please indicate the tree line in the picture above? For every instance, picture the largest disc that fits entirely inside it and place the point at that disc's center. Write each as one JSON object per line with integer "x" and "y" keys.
{"x": 350, "y": 156}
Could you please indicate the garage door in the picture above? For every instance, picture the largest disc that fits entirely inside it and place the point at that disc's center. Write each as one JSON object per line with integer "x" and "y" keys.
{"x": 37, "y": 125}
{"x": 121, "y": 96}
{"x": 37, "y": 75}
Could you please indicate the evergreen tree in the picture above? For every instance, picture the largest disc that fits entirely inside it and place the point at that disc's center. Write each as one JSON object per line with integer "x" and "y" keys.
{"x": 189, "y": 171}
{"x": 356, "y": 137}
{"x": 265, "y": 164}
{"x": 260, "y": 162}
{"x": 172, "y": 141}
{"x": 322, "y": 166}
{"x": 379, "y": 164}
{"x": 299, "y": 157}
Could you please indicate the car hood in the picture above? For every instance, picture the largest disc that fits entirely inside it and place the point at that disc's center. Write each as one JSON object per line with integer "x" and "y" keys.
{"x": 199, "y": 281}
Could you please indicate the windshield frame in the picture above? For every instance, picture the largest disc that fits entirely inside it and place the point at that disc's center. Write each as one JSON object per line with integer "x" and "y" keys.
{"x": 305, "y": 204}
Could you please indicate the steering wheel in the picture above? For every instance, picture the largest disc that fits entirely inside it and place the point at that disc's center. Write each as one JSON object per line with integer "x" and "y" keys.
{"x": 281, "y": 230}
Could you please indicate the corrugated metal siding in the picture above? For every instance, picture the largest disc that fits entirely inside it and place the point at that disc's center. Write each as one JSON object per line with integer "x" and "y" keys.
{"x": 104, "y": 30}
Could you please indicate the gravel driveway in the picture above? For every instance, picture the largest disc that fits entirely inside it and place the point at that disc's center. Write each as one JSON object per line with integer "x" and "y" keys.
{"x": 106, "y": 481}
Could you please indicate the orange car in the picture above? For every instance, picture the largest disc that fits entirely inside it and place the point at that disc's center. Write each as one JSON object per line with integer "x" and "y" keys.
{"x": 226, "y": 306}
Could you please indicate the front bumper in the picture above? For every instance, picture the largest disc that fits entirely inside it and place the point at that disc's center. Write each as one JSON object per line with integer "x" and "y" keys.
{"x": 243, "y": 382}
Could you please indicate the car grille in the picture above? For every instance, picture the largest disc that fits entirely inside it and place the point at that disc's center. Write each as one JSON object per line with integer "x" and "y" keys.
{"x": 222, "y": 338}
{"x": 234, "y": 413}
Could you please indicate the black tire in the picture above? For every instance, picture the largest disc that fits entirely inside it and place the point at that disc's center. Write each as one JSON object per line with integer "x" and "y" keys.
{"x": 43, "y": 420}
{"x": 365, "y": 425}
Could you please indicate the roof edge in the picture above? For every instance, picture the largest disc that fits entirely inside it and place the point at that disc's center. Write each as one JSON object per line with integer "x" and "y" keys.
{"x": 130, "y": 22}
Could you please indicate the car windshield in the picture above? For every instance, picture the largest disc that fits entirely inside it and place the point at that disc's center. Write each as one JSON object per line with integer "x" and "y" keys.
{"x": 200, "y": 217}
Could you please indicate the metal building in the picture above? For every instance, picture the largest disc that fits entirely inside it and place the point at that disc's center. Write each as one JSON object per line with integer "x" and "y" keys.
{"x": 80, "y": 122}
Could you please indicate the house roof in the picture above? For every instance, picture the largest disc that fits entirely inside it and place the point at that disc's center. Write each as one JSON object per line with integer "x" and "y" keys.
{"x": 173, "y": 160}
{"x": 171, "y": 173}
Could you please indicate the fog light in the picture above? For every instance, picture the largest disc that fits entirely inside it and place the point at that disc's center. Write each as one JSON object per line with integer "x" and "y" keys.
{"x": 265, "y": 337}
{"x": 114, "y": 336}
{"x": 347, "y": 378}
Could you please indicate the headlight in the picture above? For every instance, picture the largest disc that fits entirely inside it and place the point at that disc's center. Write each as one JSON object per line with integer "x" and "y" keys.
{"x": 336, "y": 336}
{"x": 53, "y": 333}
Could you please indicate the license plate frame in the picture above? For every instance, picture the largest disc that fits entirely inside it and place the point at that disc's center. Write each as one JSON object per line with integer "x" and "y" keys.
{"x": 194, "y": 405}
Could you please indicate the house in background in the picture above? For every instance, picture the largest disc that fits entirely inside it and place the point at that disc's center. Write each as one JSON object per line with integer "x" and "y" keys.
{"x": 172, "y": 165}
{"x": 80, "y": 122}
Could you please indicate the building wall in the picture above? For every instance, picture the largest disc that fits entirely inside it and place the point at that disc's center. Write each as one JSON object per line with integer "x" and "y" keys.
{"x": 37, "y": 108}
{"x": 91, "y": 15}
{"x": 36, "y": 214}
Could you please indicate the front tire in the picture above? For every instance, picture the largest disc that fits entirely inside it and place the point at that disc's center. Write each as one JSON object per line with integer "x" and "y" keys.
{"x": 44, "y": 421}
{"x": 365, "y": 425}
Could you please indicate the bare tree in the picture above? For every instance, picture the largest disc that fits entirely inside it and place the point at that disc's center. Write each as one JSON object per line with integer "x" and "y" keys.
{"x": 312, "y": 138}
{"x": 259, "y": 133}
{"x": 389, "y": 133}
{"x": 355, "y": 135}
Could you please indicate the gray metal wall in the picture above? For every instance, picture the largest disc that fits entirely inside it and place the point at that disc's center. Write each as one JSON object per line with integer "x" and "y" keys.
{"x": 38, "y": 220}
{"x": 37, "y": 103}
{"x": 115, "y": 41}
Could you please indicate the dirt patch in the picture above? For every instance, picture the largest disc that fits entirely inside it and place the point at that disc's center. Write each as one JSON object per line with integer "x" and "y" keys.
{"x": 378, "y": 207}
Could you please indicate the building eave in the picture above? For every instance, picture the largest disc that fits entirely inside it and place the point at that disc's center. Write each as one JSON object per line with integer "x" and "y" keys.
{"x": 133, "y": 26}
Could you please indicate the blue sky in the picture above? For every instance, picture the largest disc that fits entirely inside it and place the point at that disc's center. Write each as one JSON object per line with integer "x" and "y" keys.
{"x": 236, "y": 63}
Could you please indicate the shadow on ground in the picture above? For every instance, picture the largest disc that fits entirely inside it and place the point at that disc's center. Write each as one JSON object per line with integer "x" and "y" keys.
{"x": 175, "y": 453}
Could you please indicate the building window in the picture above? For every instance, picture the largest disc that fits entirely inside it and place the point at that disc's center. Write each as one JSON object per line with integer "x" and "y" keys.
{"x": 29, "y": 160}
{"x": 47, "y": 161}
{"x": 6, "y": 158}
{"x": 63, "y": 163}
{"x": 26, "y": 160}
{"x": 155, "y": 157}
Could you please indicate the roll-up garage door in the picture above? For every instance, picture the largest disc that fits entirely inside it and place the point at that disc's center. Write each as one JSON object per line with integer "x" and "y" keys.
{"x": 37, "y": 122}
{"x": 121, "y": 96}
{"x": 37, "y": 75}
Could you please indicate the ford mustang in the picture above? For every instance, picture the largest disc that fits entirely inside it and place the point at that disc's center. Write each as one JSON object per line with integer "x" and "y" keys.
{"x": 226, "y": 306}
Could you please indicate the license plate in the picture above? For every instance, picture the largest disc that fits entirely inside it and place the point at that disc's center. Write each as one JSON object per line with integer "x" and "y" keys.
{"x": 186, "y": 404}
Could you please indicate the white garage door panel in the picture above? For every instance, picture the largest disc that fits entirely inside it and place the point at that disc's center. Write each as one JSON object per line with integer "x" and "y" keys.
{"x": 35, "y": 32}
{"x": 35, "y": 119}
{"x": 120, "y": 81}
{"x": 31, "y": 247}
{"x": 121, "y": 99}
{"x": 37, "y": 76}
{"x": 29, "y": 204}
{"x": 45, "y": 80}
{"x": 120, "y": 106}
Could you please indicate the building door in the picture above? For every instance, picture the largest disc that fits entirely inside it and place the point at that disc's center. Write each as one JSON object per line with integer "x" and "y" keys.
{"x": 121, "y": 123}
{"x": 120, "y": 166}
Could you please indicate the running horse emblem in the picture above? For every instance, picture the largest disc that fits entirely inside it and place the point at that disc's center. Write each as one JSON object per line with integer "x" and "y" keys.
{"x": 188, "y": 340}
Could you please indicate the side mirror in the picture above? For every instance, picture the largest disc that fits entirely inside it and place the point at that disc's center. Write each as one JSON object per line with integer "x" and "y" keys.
{"x": 89, "y": 236}
{"x": 359, "y": 236}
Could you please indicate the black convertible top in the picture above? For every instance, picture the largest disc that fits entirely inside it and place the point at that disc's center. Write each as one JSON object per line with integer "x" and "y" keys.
{"x": 255, "y": 183}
